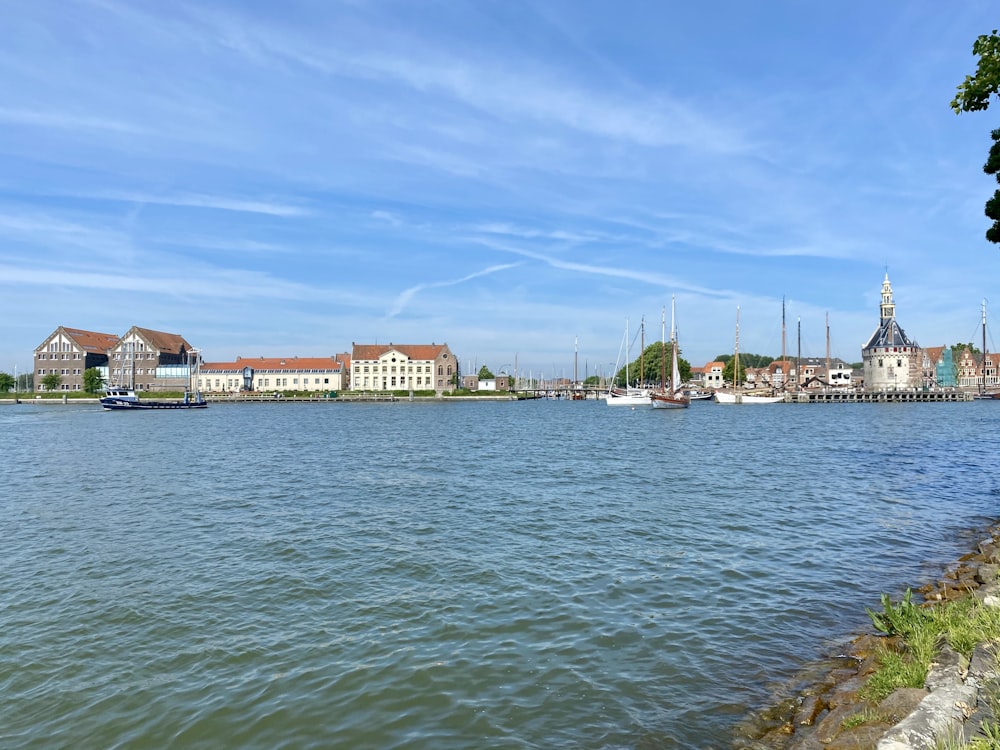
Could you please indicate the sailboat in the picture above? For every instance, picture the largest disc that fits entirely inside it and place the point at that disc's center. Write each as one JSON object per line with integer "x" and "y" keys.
{"x": 672, "y": 397}
{"x": 627, "y": 396}
{"x": 738, "y": 396}
{"x": 987, "y": 367}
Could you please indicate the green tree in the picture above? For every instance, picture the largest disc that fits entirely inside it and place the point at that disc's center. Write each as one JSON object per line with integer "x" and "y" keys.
{"x": 975, "y": 91}
{"x": 727, "y": 370}
{"x": 485, "y": 374}
{"x": 956, "y": 350}
{"x": 7, "y": 382}
{"x": 52, "y": 381}
{"x": 974, "y": 95}
{"x": 93, "y": 382}
{"x": 592, "y": 380}
{"x": 646, "y": 368}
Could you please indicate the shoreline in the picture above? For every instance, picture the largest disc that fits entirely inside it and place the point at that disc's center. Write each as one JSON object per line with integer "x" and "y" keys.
{"x": 810, "y": 710}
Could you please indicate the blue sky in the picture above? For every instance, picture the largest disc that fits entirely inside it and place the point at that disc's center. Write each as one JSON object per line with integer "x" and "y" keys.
{"x": 512, "y": 178}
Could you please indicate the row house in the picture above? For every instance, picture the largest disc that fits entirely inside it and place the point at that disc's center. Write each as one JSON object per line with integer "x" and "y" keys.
{"x": 818, "y": 373}
{"x": 68, "y": 352}
{"x": 144, "y": 358}
{"x": 263, "y": 374}
{"x": 779, "y": 374}
{"x": 390, "y": 367}
{"x": 977, "y": 370}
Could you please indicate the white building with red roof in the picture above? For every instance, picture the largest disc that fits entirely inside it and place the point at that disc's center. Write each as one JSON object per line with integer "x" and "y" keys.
{"x": 403, "y": 367}
{"x": 274, "y": 374}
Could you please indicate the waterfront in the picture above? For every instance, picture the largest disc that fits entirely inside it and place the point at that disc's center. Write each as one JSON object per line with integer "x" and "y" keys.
{"x": 428, "y": 575}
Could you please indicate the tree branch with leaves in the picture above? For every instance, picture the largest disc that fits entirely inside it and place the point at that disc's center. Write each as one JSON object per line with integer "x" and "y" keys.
{"x": 974, "y": 95}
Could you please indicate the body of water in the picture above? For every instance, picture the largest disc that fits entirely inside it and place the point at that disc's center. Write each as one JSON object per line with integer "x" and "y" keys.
{"x": 456, "y": 575}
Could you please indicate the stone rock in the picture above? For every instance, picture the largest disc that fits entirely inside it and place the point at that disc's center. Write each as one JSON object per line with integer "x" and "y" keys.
{"x": 948, "y": 668}
{"x": 865, "y": 737}
{"x": 901, "y": 702}
{"x": 832, "y": 724}
{"x": 987, "y": 573}
{"x": 940, "y": 715}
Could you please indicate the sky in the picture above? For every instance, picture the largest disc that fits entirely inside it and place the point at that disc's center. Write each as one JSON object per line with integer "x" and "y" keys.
{"x": 519, "y": 180}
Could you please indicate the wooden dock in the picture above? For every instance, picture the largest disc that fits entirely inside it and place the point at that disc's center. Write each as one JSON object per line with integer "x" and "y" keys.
{"x": 878, "y": 397}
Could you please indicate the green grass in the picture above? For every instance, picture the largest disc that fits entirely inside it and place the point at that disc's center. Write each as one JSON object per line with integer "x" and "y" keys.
{"x": 961, "y": 623}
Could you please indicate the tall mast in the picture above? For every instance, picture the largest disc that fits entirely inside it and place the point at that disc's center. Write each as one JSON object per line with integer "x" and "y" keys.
{"x": 675, "y": 375}
{"x": 576, "y": 360}
{"x": 663, "y": 347}
{"x": 782, "y": 331}
{"x": 736, "y": 352}
{"x": 628, "y": 353}
{"x": 983, "y": 387}
{"x": 828, "y": 348}
{"x": 798, "y": 360}
{"x": 642, "y": 351}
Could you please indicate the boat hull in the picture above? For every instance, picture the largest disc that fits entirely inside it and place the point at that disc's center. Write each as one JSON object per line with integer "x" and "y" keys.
{"x": 746, "y": 398}
{"x": 113, "y": 404}
{"x": 661, "y": 401}
{"x": 627, "y": 400}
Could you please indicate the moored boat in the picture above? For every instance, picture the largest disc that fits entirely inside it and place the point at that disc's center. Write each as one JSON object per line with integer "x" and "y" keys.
{"x": 125, "y": 398}
{"x": 673, "y": 397}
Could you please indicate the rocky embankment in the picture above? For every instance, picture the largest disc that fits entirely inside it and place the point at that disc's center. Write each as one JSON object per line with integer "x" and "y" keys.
{"x": 826, "y": 711}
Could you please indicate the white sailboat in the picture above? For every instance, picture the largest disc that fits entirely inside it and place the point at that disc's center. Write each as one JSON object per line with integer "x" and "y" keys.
{"x": 673, "y": 397}
{"x": 737, "y": 396}
{"x": 627, "y": 396}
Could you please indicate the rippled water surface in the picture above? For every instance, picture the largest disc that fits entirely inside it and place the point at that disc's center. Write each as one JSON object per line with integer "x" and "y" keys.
{"x": 474, "y": 575}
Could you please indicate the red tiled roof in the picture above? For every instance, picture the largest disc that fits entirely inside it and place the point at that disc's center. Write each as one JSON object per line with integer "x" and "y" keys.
{"x": 934, "y": 353}
{"x": 283, "y": 364}
{"x": 710, "y": 365}
{"x": 171, "y": 343}
{"x": 91, "y": 341}
{"x": 413, "y": 351}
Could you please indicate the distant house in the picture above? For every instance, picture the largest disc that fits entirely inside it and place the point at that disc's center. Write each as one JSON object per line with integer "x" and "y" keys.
{"x": 712, "y": 375}
{"x": 70, "y": 351}
{"x": 977, "y": 371}
{"x": 265, "y": 374}
{"x": 391, "y": 367}
{"x": 499, "y": 383}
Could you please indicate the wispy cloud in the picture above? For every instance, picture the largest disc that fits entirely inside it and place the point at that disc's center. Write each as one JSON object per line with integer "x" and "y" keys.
{"x": 406, "y": 296}
{"x": 67, "y": 121}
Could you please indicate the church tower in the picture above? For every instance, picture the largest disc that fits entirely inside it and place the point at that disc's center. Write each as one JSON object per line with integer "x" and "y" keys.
{"x": 891, "y": 360}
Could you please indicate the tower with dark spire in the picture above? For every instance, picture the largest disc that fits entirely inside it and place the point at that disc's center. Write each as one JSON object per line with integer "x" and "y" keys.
{"x": 891, "y": 359}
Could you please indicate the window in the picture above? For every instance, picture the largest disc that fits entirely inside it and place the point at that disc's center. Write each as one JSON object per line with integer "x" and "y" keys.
{"x": 41, "y": 372}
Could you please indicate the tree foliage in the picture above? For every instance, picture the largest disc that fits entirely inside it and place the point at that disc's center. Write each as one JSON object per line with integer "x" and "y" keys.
{"x": 956, "y": 350}
{"x": 93, "y": 382}
{"x": 485, "y": 374}
{"x": 646, "y": 368}
{"x": 974, "y": 95}
{"x": 975, "y": 91}
{"x": 52, "y": 381}
{"x": 7, "y": 382}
